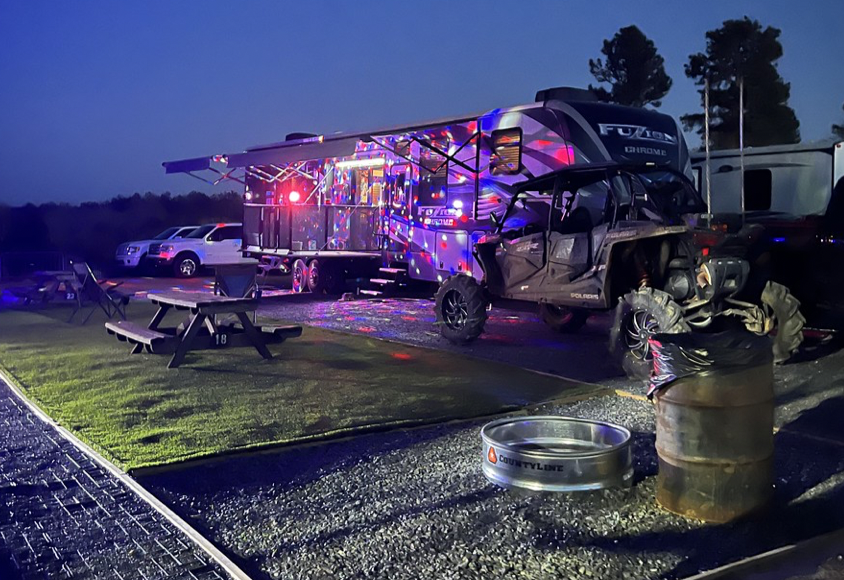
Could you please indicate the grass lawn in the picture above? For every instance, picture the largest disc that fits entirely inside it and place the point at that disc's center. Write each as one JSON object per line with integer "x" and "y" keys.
{"x": 139, "y": 413}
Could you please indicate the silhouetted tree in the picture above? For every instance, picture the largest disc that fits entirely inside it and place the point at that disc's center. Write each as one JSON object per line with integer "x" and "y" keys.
{"x": 743, "y": 49}
{"x": 633, "y": 69}
{"x": 838, "y": 130}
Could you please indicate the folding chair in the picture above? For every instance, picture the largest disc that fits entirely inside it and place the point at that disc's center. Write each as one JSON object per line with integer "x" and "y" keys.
{"x": 102, "y": 296}
{"x": 237, "y": 281}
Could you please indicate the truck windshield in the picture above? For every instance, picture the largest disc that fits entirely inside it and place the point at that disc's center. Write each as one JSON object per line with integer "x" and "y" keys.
{"x": 166, "y": 234}
{"x": 200, "y": 232}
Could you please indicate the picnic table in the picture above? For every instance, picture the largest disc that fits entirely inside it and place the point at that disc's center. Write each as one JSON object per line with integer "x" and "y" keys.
{"x": 200, "y": 330}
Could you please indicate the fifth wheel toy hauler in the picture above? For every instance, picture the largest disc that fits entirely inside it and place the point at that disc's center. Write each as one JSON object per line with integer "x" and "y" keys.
{"x": 415, "y": 199}
{"x": 797, "y": 193}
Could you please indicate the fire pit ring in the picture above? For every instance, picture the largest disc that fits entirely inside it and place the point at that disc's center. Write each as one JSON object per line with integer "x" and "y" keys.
{"x": 553, "y": 453}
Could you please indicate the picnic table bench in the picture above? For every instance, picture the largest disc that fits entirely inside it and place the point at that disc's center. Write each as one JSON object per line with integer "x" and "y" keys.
{"x": 200, "y": 329}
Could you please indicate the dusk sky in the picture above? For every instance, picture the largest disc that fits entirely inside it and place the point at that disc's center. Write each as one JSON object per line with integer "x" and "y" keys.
{"x": 95, "y": 95}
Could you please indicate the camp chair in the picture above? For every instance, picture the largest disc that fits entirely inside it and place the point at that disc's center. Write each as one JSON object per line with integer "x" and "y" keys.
{"x": 237, "y": 281}
{"x": 99, "y": 295}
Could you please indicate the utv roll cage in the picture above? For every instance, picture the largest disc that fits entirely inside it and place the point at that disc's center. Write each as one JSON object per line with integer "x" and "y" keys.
{"x": 660, "y": 198}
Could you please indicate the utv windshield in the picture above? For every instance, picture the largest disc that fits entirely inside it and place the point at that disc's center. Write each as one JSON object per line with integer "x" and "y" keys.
{"x": 200, "y": 232}
{"x": 166, "y": 234}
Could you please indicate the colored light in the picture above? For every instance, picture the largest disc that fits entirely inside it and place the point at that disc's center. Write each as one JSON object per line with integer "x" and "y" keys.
{"x": 352, "y": 163}
{"x": 293, "y": 197}
{"x": 779, "y": 240}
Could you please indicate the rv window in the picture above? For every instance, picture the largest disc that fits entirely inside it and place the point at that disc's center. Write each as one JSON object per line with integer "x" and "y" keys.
{"x": 433, "y": 187}
{"x": 757, "y": 190}
{"x": 506, "y": 156}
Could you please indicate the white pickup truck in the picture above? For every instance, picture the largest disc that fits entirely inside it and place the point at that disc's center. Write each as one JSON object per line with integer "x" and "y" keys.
{"x": 134, "y": 254}
{"x": 208, "y": 245}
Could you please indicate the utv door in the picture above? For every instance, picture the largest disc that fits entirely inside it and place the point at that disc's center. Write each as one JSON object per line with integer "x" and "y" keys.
{"x": 568, "y": 257}
{"x": 522, "y": 261}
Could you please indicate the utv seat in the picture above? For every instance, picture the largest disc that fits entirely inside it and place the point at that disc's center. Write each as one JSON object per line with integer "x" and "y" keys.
{"x": 579, "y": 221}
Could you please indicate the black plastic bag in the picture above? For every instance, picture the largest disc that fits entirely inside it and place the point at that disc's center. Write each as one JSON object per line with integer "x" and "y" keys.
{"x": 676, "y": 356}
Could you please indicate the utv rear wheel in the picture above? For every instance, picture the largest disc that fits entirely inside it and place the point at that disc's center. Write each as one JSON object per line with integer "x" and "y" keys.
{"x": 562, "y": 318}
{"x": 460, "y": 307}
{"x": 639, "y": 315}
{"x": 782, "y": 311}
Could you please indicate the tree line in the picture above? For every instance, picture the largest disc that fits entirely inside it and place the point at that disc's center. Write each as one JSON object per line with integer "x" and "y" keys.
{"x": 740, "y": 51}
{"x": 93, "y": 230}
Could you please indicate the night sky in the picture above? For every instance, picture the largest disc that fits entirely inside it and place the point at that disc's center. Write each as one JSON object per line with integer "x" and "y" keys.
{"x": 95, "y": 95}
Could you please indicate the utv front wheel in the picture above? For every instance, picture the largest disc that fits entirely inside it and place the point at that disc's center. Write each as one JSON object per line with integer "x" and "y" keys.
{"x": 461, "y": 309}
{"x": 782, "y": 313}
{"x": 562, "y": 318}
{"x": 641, "y": 314}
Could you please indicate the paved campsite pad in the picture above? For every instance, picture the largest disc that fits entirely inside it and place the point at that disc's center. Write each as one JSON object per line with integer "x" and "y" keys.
{"x": 142, "y": 414}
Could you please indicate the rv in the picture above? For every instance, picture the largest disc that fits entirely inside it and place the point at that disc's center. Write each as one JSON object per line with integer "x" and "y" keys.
{"x": 797, "y": 193}
{"x": 413, "y": 200}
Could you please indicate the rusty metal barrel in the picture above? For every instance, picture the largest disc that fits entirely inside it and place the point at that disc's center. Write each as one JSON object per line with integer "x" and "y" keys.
{"x": 714, "y": 430}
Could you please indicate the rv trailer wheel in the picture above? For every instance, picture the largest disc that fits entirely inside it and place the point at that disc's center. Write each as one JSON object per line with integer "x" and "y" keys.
{"x": 563, "y": 318}
{"x": 299, "y": 282}
{"x": 317, "y": 277}
{"x": 460, "y": 307}
{"x": 639, "y": 315}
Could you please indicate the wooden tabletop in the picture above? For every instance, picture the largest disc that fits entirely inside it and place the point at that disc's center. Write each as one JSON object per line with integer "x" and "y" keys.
{"x": 203, "y": 301}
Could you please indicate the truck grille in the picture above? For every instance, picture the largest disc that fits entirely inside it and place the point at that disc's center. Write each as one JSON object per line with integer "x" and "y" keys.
{"x": 155, "y": 249}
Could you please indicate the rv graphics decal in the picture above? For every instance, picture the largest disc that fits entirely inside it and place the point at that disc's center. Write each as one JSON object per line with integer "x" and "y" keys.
{"x": 637, "y": 132}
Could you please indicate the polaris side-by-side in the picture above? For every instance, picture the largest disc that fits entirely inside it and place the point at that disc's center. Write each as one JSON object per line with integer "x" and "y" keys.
{"x": 618, "y": 236}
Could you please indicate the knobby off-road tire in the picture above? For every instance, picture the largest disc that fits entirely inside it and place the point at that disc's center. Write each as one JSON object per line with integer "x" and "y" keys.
{"x": 460, "y": 306}
{"x": 563, "y": 318}
{"x": 639, "y": 314}
{"x": 779, "y": 304}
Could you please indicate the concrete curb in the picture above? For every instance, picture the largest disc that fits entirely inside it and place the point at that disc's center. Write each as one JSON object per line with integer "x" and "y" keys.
{"x": 213, "y": 552}
{"x": 756, "y": 564}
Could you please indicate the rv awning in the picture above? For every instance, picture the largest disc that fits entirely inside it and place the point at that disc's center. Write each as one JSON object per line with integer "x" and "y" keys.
{"x": 284, "y": 155}
{"x": 187, "y": 165}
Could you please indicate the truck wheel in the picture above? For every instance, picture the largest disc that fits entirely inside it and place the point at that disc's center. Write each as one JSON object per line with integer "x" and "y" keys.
{"x": 299, "y": 281}
{"x": 563, "y": 318}
{"x": 782, "y": 310}
{"x": 185, "y": 265}
{"x": 460, "y": 306}
{"x": 639, "y": 315}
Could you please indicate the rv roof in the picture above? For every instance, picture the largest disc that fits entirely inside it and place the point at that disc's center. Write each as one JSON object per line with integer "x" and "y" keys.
{"x": 822, "y": 145}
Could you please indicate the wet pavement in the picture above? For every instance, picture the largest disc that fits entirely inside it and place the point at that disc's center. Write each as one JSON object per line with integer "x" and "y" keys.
{"x": 64, "y": 516}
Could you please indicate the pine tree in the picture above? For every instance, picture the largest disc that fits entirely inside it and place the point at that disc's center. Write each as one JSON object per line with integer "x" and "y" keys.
{"x": 633, "y": 69}
{"x": 743, "y": 49}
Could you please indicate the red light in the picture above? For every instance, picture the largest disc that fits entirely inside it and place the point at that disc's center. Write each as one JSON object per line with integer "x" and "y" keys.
{"x": 705, "y": 251}
{"x": 401, "y": 356}
{"x": 293, "y": 197}
{"x": 220, "y": 225}
{"x": 464, "y": 218}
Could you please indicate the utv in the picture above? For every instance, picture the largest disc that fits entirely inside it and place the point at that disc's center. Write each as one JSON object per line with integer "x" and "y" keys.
{"x": 625, "y": 236}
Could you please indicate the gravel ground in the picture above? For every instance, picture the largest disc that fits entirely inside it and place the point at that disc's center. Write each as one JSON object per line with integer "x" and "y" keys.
{"x": 414, "y": 504}
{"x": 63, "y": 516}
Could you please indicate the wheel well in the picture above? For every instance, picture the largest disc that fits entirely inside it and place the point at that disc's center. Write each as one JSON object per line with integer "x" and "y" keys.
{"x": 187, "y": 254}
{"x": 633, "y": 261}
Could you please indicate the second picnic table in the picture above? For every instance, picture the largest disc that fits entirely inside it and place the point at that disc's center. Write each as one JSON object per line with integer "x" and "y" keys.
{"x": 200, "y": 330}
